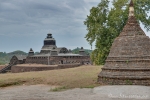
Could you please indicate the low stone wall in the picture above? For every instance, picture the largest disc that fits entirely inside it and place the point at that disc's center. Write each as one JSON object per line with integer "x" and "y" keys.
{"x": 63, "y": 66}
{"x": 28, "y": 68}
{"x": 55, "y": 60}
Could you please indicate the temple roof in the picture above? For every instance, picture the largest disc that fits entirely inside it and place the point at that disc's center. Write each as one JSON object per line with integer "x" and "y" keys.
{"x": 60, "y": 54}
{"x": 49, "y": 35}
{"x": 82, "y": 49}
{"x": 20, "y": 57}
{"x": 31, "y": 50}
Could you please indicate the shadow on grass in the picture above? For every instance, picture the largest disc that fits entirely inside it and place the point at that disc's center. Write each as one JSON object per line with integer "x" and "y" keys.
{"x": 14, "y": 82}
{"x": 11, "y": 83}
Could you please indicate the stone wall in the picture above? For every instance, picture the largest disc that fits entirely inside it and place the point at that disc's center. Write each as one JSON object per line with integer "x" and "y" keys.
{"x": 37, "y": 60}
{"x": 69, "y": 60}
{"x": 54, "y": 60}
{"x": 28, "y": 68}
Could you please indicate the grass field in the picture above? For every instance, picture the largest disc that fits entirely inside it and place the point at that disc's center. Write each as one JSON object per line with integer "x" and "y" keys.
{"x": 79, "y": 77}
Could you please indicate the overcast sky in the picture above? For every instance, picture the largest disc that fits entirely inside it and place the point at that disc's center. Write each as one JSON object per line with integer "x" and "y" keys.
{"x": 24, "y": 24}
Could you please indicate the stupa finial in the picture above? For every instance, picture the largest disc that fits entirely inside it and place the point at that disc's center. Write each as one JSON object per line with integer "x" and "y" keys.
{"x": 131, "y": 3}
{"x": 131, "y": 9}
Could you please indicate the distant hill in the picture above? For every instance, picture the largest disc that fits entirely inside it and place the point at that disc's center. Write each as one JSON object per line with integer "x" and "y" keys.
{"x": 18, "y": 52}
{"x": 5, "y": 57}
{"x": 36, "y": 53}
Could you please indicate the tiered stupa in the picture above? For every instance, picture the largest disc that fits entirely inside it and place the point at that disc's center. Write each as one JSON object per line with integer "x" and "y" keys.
{"x": 129, "y": 59}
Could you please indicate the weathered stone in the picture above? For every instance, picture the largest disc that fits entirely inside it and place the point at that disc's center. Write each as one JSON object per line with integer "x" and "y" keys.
{"x": 28, "y": 68}
{"x": 129, "y": 59}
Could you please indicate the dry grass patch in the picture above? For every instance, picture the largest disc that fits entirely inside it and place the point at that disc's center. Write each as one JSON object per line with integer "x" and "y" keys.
{"x": 79, "y": 77}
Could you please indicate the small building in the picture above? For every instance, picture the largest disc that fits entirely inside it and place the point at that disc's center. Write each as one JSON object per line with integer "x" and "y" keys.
{"x": 18, "y": 59}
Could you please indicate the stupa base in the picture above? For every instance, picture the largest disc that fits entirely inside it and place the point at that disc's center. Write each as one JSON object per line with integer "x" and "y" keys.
{"x": 124, "y": 80}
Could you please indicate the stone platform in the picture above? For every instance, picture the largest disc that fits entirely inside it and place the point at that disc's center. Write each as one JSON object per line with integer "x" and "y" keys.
{"x": 40, "y": 67}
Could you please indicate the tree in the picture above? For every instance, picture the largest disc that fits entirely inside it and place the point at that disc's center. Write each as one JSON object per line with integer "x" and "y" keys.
{"x": 104, "y": 24}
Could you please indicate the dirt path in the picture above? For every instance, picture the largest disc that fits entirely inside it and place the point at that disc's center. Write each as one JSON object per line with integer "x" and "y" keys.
{"x": 41, "y": 92}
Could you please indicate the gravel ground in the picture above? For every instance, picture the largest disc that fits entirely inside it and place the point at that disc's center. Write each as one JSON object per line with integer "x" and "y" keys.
{"x": 41, "y": 92}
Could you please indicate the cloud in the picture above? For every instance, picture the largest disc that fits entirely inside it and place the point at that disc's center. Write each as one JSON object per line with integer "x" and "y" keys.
{"x": 31, "y": 13}
{"x": 35, "y": 18}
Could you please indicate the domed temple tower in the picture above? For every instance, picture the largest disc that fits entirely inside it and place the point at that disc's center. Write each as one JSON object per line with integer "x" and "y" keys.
{"x": 49, "y": 44}
{"x": 31, "y": 52}
{"x": 82, "y": 51}
{"x": 129, "y": 59}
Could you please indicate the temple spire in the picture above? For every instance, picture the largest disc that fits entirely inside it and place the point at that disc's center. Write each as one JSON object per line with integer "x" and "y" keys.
{"x": 131, "y": 3}
{"x": 131, "y": 9}
{"x": 132, "y": 26}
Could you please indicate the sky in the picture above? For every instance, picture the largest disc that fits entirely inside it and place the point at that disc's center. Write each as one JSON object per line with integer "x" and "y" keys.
{"x": 24, "y": 24}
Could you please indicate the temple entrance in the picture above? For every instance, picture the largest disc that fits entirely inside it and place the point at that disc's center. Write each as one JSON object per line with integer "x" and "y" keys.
{"x": 61, "y": 61}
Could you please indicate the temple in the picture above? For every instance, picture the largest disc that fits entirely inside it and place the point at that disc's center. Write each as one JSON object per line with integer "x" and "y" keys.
{"x": 50, "y": 57}
{"x": 129, "y": 59}
{"x": 50, "y": 54}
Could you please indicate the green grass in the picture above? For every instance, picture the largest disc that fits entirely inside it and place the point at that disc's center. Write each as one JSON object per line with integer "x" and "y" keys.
{"x": 58, "y": 89}
{"x": 90, "y": 86}
{"x": 128, "y": 82}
